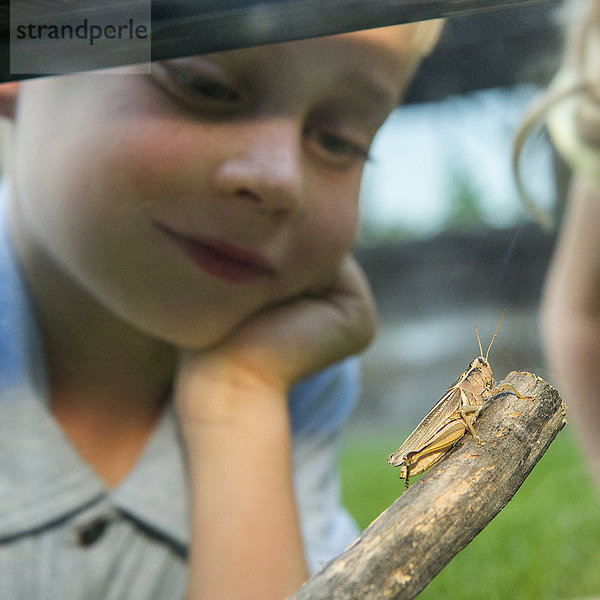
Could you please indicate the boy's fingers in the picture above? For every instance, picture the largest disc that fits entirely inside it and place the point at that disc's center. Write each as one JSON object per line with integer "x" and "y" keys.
{"x": 310, "y": 333}
{"x": 282, "y": 344}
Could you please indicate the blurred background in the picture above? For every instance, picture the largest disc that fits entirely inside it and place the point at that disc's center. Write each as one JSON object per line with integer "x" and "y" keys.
{"x": 446, "y": 241}
{"x": 445, "y": 238}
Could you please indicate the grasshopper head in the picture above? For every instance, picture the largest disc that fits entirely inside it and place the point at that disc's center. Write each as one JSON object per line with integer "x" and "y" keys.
{"x": 483, "y": 366}
{"x": 481, "y": 363}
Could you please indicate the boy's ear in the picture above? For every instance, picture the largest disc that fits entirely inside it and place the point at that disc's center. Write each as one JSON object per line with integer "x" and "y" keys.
{"x": 8, "y": 98}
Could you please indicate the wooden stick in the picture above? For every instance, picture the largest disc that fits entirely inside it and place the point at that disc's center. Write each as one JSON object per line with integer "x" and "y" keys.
{"x": 409, "y": 543}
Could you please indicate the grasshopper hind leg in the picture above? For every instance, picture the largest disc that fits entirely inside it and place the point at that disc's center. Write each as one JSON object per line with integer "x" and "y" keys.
{"x": 405, "y": 474}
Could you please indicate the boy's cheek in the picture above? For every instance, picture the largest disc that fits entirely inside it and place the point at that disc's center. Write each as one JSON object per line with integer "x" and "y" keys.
{"x": 327, "y": 239}
{"x": 155, "y": 158}
{"x": 135, "y": 150}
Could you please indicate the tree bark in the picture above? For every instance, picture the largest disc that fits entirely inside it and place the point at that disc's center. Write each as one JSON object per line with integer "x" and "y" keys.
{"x": 410, "y": 542}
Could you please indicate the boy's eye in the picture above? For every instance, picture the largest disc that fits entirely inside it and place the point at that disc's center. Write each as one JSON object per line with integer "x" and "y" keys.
{"x": 338, "y": 150}
{"x": 212, "y": 89}
{"x": 192, "y": 87}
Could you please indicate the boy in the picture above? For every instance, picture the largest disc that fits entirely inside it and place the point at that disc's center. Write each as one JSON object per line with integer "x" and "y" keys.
{"x": 183, "y": 241}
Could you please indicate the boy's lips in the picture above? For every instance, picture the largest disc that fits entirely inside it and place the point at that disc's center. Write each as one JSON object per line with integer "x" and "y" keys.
{"x": 219, "y": 258}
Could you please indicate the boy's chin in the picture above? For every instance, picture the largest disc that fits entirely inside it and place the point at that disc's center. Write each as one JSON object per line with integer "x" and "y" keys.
{"x": 194, "y": 338}
{"x": 191, "y": 341}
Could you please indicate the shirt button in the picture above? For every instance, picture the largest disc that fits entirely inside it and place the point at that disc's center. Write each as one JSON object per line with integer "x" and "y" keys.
{"x": 89, "y": 534}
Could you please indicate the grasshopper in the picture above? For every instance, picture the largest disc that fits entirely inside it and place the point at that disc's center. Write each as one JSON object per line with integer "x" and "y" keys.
{"x": 448, "y": 421}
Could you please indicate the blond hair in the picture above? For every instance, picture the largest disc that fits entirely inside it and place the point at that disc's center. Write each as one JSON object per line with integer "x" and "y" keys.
{"x": 570, "y": 107}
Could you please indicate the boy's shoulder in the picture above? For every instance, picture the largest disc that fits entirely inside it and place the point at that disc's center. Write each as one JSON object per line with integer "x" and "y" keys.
{"x": 321, "y": 403}
{"x": 20, "y": 348}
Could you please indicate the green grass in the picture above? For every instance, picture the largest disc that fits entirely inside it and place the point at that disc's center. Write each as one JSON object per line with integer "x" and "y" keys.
{"x": 544, "y": 544}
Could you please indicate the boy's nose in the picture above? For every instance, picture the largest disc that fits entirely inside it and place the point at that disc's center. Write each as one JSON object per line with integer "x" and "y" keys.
{"x": 264, "y": 163}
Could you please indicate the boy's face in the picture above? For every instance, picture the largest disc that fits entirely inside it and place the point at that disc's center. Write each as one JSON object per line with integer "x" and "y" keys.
{"x": 189, "y": 199}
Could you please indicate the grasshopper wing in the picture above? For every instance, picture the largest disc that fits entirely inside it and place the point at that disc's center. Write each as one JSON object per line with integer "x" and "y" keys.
{"x": 435, "y": 450}
{"x": 444, "y": 411}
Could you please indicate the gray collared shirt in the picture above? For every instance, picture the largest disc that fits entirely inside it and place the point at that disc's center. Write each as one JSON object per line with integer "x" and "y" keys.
{"x": 64, "y": 535}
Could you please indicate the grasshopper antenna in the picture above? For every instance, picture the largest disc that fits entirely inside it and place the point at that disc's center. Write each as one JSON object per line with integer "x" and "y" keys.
{"x": 495, "y": 334}
{"x": 479, "y": 341}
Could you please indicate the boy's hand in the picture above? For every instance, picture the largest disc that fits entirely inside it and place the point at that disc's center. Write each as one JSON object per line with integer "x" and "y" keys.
{"x": 281, "y": 344}
{"x": 284, "y": 343}
{"x": 231, "y": 404}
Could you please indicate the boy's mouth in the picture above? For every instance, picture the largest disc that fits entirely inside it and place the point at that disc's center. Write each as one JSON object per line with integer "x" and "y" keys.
{"x": 219, "y": 258}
